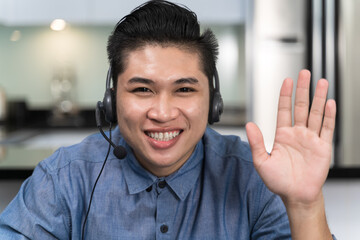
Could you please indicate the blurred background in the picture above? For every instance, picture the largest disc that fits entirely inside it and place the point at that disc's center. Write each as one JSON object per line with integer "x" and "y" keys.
{"x": 53, "y": 65}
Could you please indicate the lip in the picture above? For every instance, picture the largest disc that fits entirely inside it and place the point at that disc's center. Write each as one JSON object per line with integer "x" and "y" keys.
{"x": 162, "y": 145}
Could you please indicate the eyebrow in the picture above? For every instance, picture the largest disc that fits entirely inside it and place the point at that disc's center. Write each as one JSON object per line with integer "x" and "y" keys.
{"x": 189, "y": 80}
{"x": 141, "y": 80}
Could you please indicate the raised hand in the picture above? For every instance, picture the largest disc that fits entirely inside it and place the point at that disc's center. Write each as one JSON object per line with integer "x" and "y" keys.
{"x": 298, "y": 164}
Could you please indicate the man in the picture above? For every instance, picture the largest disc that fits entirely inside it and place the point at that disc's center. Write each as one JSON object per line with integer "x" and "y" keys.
{"x": 180, "y": 179}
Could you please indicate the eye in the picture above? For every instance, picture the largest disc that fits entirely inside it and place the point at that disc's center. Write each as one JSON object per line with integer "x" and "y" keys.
{"x": 185, "y": 89}
{"x": 141, "y": 89}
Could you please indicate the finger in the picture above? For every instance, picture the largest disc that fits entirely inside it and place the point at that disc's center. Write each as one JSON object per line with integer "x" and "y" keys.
{"x": 284, "y": 107}
{"x": 318, "y": 105}
{"x": 328, "y": 126}
{"x": 257, "y": 145}
{"x": 301, "y": 107}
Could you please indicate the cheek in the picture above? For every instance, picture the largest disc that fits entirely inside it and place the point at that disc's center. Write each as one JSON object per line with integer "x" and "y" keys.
{"x": 129, "y": 112}
{"x": 198, "y": 109}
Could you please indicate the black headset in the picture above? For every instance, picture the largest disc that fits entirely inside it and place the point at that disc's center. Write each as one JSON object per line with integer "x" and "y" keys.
{"x": 216, "y": 102}
{"x": 108, "y": 105}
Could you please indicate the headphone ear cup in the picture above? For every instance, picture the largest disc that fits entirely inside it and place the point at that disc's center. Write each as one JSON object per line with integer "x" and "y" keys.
{"x": 216, "y": 108}
{"x": 109, "y": 106}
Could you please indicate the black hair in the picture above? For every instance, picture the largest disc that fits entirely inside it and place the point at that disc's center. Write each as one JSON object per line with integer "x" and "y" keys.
{"x": 161, "y": 23}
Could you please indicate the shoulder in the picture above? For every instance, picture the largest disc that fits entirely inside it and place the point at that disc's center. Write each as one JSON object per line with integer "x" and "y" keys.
{"x": 90, "y": 150}
{"x": 230, "y": 172}
{"x": 226, "y": 146}
{"x": 229, "y": 159}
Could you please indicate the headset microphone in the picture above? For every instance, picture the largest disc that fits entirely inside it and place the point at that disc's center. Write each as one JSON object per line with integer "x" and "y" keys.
{"x": 108, "y": 108}
{"x": 119, "y": 151}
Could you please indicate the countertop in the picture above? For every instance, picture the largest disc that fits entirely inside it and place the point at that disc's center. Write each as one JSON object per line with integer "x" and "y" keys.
{"x": 22, "y": 150}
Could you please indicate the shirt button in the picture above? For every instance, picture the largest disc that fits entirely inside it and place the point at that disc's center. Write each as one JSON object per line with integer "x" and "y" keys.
{"x": 149, "y": 189}
{"x": 164, "y": 228}
{"x": 162, "y": 184}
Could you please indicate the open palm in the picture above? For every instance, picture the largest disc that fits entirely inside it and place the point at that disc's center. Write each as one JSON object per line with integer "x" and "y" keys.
{"x": 298, "y": 164}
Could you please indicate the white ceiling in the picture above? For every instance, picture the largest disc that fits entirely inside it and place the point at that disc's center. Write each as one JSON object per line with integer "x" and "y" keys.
{"x": 97, "y": 12}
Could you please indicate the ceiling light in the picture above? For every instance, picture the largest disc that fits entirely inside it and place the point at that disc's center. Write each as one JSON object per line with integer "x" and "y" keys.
{"x": 58, "y": 25}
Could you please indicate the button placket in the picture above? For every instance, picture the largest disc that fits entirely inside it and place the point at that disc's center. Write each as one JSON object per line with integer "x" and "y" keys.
{"x": 164, "y": 210}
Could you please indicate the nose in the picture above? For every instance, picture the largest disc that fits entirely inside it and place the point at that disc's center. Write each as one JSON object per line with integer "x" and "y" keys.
{"x": 163, "y": 109}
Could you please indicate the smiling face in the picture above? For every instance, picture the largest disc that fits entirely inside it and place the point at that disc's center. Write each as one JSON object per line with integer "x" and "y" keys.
{"x": 162, "y": 106}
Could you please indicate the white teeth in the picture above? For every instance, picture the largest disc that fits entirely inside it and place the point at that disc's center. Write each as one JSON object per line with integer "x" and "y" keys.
{"x": 163, "y": 136}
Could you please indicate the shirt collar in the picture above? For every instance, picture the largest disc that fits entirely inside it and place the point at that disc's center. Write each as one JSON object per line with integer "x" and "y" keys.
{"x": 181, "y": 182}
{"x": 137, "y": 178}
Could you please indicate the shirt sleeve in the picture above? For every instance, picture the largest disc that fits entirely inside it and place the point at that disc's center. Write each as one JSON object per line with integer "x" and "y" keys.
{"x": 272, "y": 221}
{"x": 37, "y": 211}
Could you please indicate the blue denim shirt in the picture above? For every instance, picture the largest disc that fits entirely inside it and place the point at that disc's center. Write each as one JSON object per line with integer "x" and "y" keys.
{"x": 216, "y": 194}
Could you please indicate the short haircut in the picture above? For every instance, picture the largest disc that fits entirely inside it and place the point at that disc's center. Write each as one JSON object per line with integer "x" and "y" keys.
{"x": 166, "y": 24}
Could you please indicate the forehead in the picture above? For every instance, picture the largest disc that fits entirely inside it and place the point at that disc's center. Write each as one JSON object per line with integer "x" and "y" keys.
{"x": 163, "y": 62}
{"x": 160, "y": 50}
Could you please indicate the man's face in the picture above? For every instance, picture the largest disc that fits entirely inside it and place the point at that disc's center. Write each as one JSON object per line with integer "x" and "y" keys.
{"x": 162, "y": 106}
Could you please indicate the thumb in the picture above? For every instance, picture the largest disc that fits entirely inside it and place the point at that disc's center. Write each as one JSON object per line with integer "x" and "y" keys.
{"x": 256, "y": 142}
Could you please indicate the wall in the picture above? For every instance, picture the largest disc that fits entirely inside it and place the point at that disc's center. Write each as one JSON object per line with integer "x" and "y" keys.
{"x": 28, "y": 65}
{"x": 32, "y": 56}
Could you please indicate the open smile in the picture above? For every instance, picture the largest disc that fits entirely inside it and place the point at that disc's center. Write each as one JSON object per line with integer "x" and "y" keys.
{"x": 163, "y": 136}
